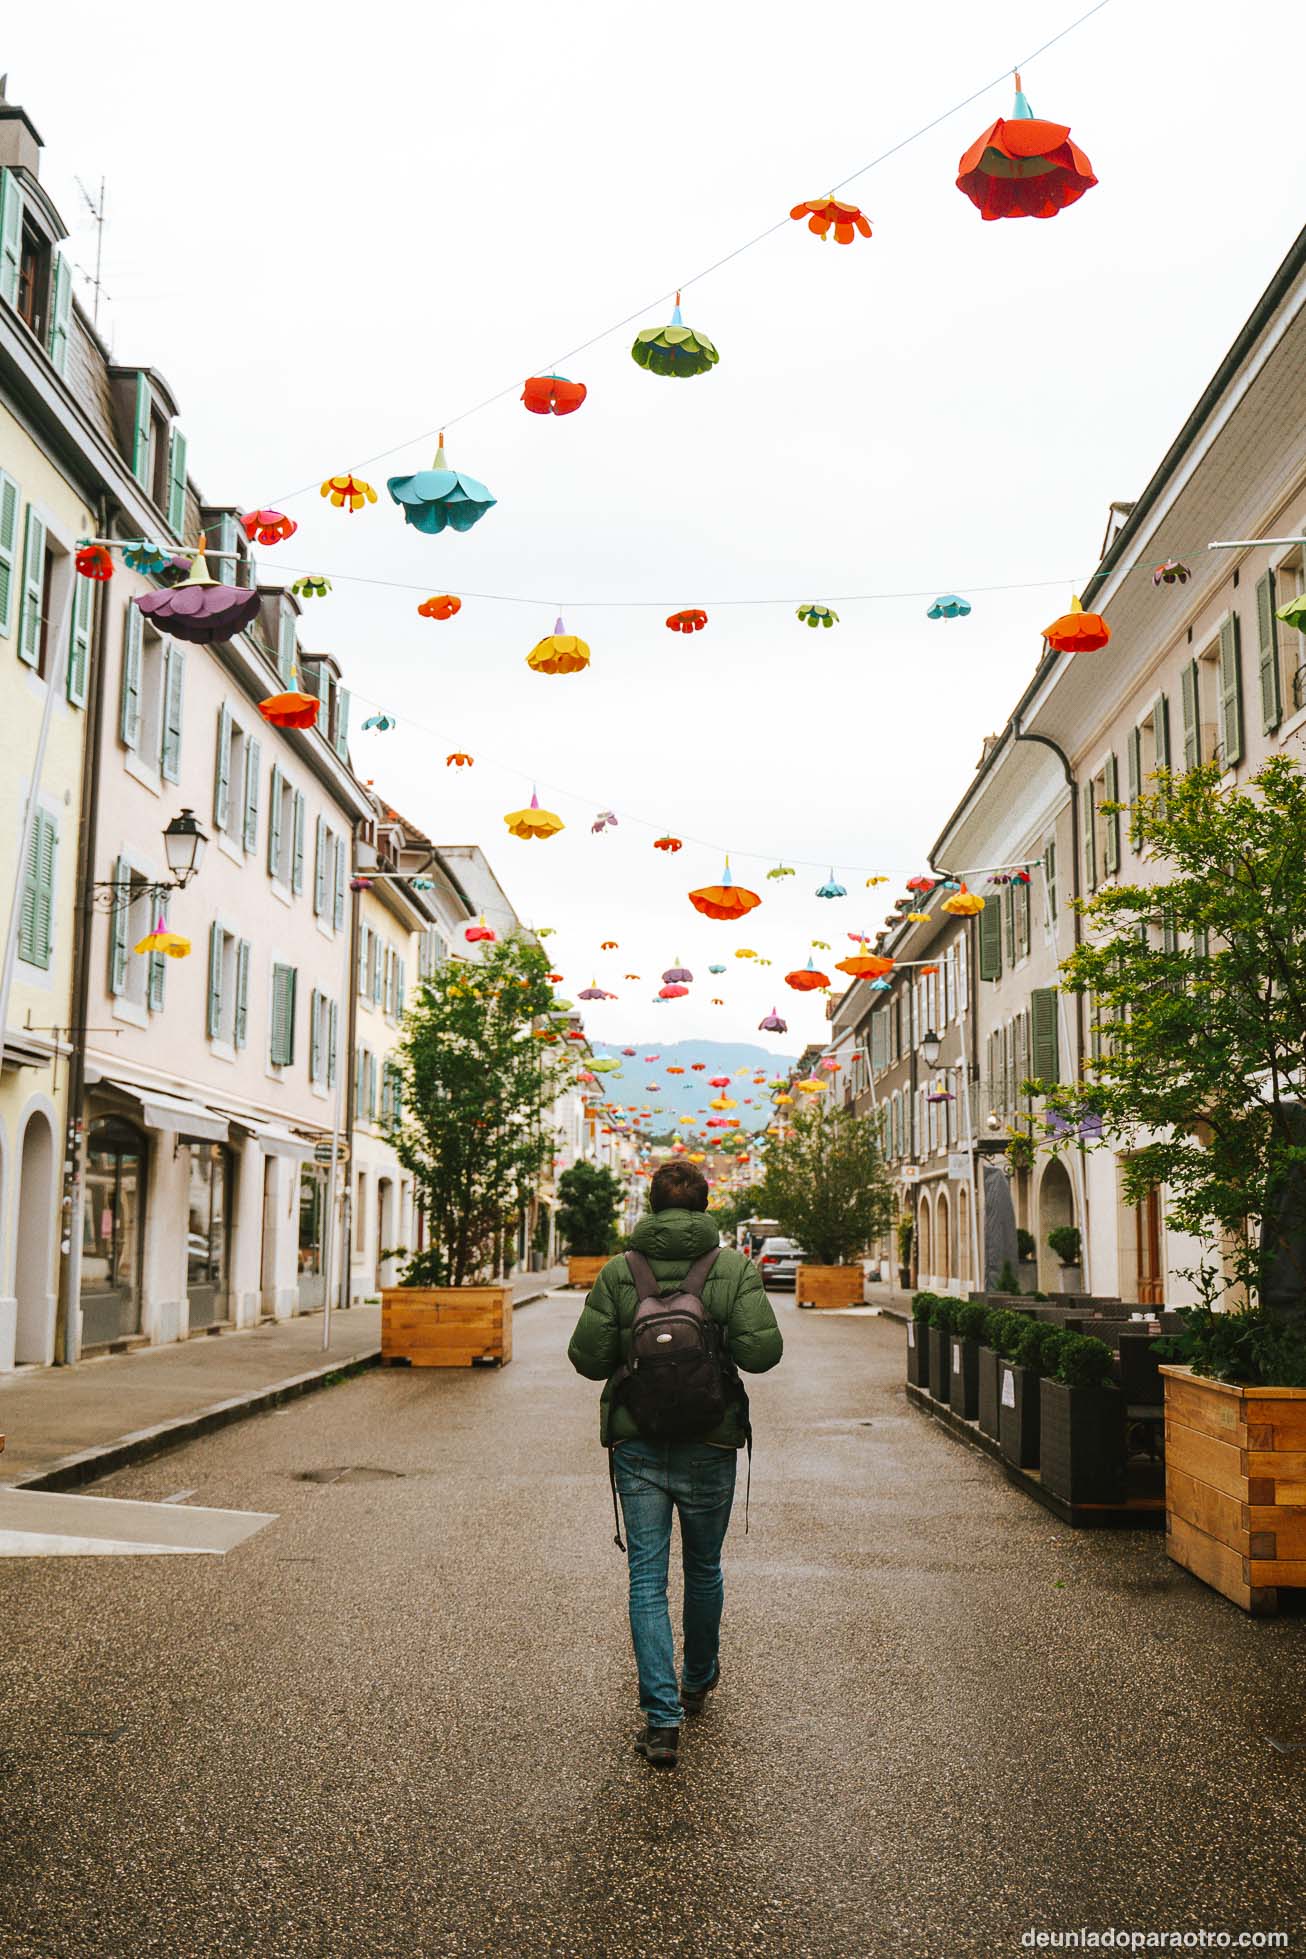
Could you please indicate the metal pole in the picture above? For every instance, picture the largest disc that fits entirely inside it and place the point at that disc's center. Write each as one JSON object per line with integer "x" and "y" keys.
{"x": 329, "y": 1258}
{"x": 1247, "y": 543}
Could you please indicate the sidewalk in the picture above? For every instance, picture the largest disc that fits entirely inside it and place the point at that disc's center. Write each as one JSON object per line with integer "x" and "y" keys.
{"x": 63, "y": 1426}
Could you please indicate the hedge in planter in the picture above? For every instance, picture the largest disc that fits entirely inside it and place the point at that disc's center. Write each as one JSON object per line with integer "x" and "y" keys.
{"x": 969, "y": 1331}
{"x": 940, "y": 1353}
{"x": 1082, "y": 1424}
{"x": 1018, "y": 1392}
{"x": 1002, "y": 1330}
{"x": 918, "y": 1340}
{"x": 592, "y": 1197}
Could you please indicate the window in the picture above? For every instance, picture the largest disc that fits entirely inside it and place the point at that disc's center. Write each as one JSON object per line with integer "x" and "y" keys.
{"x": 33, "y": 278}
{"x": 322, "y": 1034}
{"x": 285, "y": 833}
{"x": 364, "y": 1085}
{"x": 1045, "y": 1063}
{"x": 1020, "y": 903}
{"x": 281, "y": 1017}
{"x": 151, "y": 695}
{"x": 392, "y": 1098}
{"x": 1214, "y": 678}
{"x": 364, "y": 963}
{"x": 950, "y": 984}
{"x": 1107, "y": 791}
{"x": 360, "y": 1215}
{"x": 432, "y": 951}
{"x": 1088, "y": 821}
{"x": 227, "y": 1017}
{"x": 34, "y": 605}
{"x": 1229, "y": 670}
{"x": 36, "y": 903}
{"x": 234, "y": 780}
{"x": 374, "y": 970}
{"x": 79, "y": 640}
{"x": 252, "y": 764}
{"x": 963, "y": 975}
{"x": 137, "y": 979}
{"x": 1289, "y": 581}
{"x": 11, "y": 498}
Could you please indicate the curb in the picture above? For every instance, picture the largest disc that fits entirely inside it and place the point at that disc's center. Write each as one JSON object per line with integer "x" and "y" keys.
{"x": 88, "y": 1465}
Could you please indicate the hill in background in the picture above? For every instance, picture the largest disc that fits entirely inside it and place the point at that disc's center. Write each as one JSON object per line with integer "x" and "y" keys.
{"x": 688, "y": 1093}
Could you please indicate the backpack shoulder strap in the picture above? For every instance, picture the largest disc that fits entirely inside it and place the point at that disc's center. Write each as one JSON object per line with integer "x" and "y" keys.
{"x": 696, "y": 1277}
{"x": 646, "y": 1285}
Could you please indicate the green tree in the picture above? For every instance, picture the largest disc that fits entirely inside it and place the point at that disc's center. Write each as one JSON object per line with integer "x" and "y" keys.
{"x": 1197, "y": 992}
{"x": 735, "y": 1206}
{"x": 826, "y": 1184}
{"x": 592, "y": 1199}
{"x": 477, "y": 1091}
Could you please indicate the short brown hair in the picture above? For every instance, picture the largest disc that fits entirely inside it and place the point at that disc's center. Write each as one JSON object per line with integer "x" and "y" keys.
{"x": 677, "y": 1186}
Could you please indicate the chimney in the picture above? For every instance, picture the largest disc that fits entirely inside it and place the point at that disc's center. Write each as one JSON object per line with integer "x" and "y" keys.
{"x": 20, "y": 145}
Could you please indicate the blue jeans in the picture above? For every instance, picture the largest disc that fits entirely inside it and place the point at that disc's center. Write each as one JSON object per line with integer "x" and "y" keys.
{"x": 697, "y": 1481}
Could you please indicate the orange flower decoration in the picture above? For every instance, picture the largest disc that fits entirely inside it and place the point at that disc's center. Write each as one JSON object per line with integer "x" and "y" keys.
{"x": 826, "y": 213}
{"x": 290, "y": 710}
{"x": 666, "y": 843}
{"x": 1077, "y": 631}
{"x": 459, "y": 761}
{"x": 864, "y": 965}
{"x": 1022, "y": 167}
{"x": 927, "y": 970}
{"x": 807, "y": 979}
{"x": 559, "y": 652}
{"x": 608, "y": 945}
{"x": 268, "y": 526}
{"x": 442, "y": 606}
{"x": 94, "y": 561}
{"x": 553, "y": 394}
{"x": 692, "y": 621}
{"x": 726, "y": 900}
{"x": 349, "y": 491}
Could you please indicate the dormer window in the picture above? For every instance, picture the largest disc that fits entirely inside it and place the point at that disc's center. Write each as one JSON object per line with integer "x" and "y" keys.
{"x": 34, "y": 276}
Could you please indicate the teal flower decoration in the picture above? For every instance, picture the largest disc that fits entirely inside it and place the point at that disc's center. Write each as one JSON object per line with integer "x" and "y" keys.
{"x": 438, "y": 498}
{"x": 830, "y": 889}
{"x": 948, "y": 606}
{"x": 379, "y": 721}
{"x": 147, "y": 557}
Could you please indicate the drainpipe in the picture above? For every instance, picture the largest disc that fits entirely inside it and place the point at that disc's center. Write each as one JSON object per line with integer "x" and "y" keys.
{"x": 67, "y": 1313}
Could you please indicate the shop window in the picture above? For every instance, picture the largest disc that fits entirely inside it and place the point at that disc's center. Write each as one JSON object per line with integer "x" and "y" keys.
{"x": 207, "y": 1234}
{"x": 112, "y": 1212}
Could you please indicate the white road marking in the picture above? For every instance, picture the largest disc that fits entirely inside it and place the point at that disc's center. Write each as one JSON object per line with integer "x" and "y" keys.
{"x": 58, "y": 1524}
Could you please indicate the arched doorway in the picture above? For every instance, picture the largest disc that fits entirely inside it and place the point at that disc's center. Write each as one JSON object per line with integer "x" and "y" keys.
{"x": 1056, "y": 1205}
{"x": 33, "y": 1243}
{"x": 943, "y": 1236}
{"x": 924, "y": 1242}
{"x": 112, "y": 1209}
{"x": 385, "y": 1231}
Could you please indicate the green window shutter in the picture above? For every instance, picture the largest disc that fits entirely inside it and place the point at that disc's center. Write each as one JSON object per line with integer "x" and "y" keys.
{"x": 1088, "y": 817}
{"x": 241, "y": 1020}
{"x": 10, "y": 502}
{"x": 1189, "y": 694}
{"x": 222, "y": 769}
{"x": 154, "y": 985}
{"x": 292, "y": 981}
{"x": 286, "y": 645}
{"x": 277, "y": 1017}
{"x": 274, "y": 822}
{"x": 79, "y": 639}
{"x": 224, "y": 558}
{"x": 36, "y": 905}
{"x": 320, "y": 835}
{"x": 141, "y": 432}
{"x": 1161, "y": 731}
{"x": 1111, "y": 832}
{"x": 315, "y": 1036}
{"x": 333, "y": 1032}
{"x": 1231, "y": 691}
{"x": 338, "y": 899}
{"x": 1050, "y": 875}
{"x": 1134, "y": 765}
{"x": 297, "y": 854}
{"x": 174, "y": 683}
{"x": 375, "y": 967}
{"x": 118, "y": 929}
{"x": 1022, "y": 919}
{"x": 342, "y": 722}
{"x": 1267, "y": 634}
{"x": 879, "y": 1044}
{"x": 364, "y": 934}
{"x": 357, "y": 1103}
{"x": 11, "y": 235}
{"x": 399, "y": 988}
{"x": 253, "y": 762}
{"x": 61, "y": 313}
{"x": 1045, "y": 1058}
{"x": 29, "y": 616}
{"x": 990, "y": 943}
{"x": 1006, "y": 904}
{"x": 371, "y": 1087}
{"x": 213, "y": 1018}
{"x": 177, "y": 490}
{"x": 129, "y": 706}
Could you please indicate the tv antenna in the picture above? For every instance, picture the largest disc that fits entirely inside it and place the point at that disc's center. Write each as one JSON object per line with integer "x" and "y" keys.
{"x": 97, "y": 211}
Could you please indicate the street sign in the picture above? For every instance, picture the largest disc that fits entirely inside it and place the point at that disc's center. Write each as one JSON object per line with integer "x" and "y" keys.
{"x": 959, "y": 1166}
{"x": 322, "y": 1152}
{"x": 911, "y": 1173}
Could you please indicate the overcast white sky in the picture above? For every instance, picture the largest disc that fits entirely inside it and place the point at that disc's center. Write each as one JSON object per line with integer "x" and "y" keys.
{"x": 334, "y": 230}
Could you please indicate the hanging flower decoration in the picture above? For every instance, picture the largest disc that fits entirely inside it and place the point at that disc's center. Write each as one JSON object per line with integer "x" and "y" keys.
{"x": 360, "y": 884}
{"x": 772, "y": 1024}
{"x": 745, "y": 952}
{"x": 927, "y": 970}
{"x": 675, "y": 350}
{"x": 1077, "y": 631}
{"x": 921, "y": 883}
{"x": 692, "y": 621}
{"x": 875, "y": 880}
{"x": 919, "y": 917}
{"x": 200, "y": 610}
{"x": 948, "y": 606}
{"x": 818, "y": 615}
{"x": 723, "y": 1102}
{"x": 311, "y": 588}
{"x": 672, "y": 1071}
{"x": 672, "y": 992}
{"x": 1171, "y": 573}
{"x": 533, "y": 821}
{"x": 666, "y": 843}
{"x": 820, "y": 945}
{"x": 291, "y": 709}
{"x": 781, "y": 870}
{"x": 811, "y": 1087}
{"x": 553, "y": 394}
{"x": 560, "y": 652}
{"x": 1024, "y": 167}
{"x": 381, "y": 722}
{"x": 442, "y": 605}
{"x": 674, "y": 975}
{"x": 162, "y": 940}
{"x": 1293, "y": 612}
{"x": 830, "y": 1065}
{"x": 807, "y": 979}
{"x": 605, "y": 820}
{"x": 830, "y": 889}
{"x": 480, "y": 933}
{"x": 864, "y": 965}
{"x": 94, "y": 561}
{"x": 459, "y": 760}
{"x": 826, "y": 214}
{"x": 267, "y": 526}
{"x": 632, "y": 976}
{"x": 439, "y": 497}
{"x": 146, "y": 556}
{"x": 726, "y": 900}
{"x": 348, "y": 492}
{"x": 963, "y": 903}
{"x": 605, "y": 1065}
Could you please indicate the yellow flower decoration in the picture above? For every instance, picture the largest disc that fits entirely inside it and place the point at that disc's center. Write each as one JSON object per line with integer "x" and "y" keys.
{"x": 533, "y": 821}
{"x": 350, "y": 490}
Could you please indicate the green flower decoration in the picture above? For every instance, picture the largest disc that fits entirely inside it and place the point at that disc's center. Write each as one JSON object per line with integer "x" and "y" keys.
{"x": 311, "y": 588}
{"x": 1294, "y": 612}
{"x": 676, "y": 349}
{"x": 781, "y": 870}
{"x": 817, "y": 615}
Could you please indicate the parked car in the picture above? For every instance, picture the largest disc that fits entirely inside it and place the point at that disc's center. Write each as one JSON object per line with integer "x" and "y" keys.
{"x": 778, "y": 1262}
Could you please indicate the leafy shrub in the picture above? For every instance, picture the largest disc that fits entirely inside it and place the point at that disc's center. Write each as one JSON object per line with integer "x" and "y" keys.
{"x": 1007, "y": 1280}
{"x": 1026, "y": 1244}
{"x": 1248, "y": 1348}
{"x": 971, "y": 1321}
{"x": 922, "y": 1308}
{"x": 1083, "y": 1362}
{"x": 1038, "y": 1346}
{"x": 1005, "y": 1329}
{"x": 1063, "y": 1239}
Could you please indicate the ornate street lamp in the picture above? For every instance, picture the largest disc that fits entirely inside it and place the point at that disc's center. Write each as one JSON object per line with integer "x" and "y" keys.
{"x": 930, "y": 1046}
{"x": 184, "y": 844}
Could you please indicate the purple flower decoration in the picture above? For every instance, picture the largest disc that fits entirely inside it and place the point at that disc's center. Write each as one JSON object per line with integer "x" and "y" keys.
{"x": 200, "y": 610}
{"x": 674, "y": 975}
{"x": 773, "y": 1024}
{"x": 594, "y": 993}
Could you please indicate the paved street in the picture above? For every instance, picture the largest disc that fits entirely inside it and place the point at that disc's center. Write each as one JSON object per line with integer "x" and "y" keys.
{"x": 399, "y": 1720}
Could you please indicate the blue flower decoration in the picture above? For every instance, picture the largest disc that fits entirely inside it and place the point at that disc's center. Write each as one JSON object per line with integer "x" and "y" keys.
{"x": 830, "y": 889}
{"x": 881, "y": 985}
{"x": 379, "y": 721}
{"x": 146, "y": 557}
{"x": 438, "y": 497}
{"x": 716, "y": 969}
{"x": 948, "y": 606}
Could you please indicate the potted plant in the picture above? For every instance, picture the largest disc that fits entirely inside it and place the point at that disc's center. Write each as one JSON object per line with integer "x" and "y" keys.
{"x": 1082, "y": 1424}
{"x": 918, "y": 1340}
{"x": 591, "y": 1199}
{"x": 969, "y": 1331}
{"x": 1026, "y": 1245}
{"x": 906, "y": 1233}
{"x": 827, "y": 1188}
{"x": 941, "y": 1320}
{"x": 1018, "y": 1391}
{"x": 476, "y": 1094}
{"x": 1063, "y": 1239}
{"x": 1002, "y": 1330}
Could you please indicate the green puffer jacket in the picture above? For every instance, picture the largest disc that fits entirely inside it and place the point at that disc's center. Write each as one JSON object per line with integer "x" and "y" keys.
{"x": 733, "y": 1296}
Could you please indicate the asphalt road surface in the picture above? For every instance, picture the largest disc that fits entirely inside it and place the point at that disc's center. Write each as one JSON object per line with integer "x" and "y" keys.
{"x": 399, "y": 1720}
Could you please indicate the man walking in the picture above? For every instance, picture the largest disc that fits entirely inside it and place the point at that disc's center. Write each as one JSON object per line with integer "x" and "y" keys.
{"x": 666, "y": 1326}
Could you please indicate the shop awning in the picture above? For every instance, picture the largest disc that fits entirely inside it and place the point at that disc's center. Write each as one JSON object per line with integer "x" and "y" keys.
{"x": 190, "y": 1122}
{"x": 273, "y": 1138}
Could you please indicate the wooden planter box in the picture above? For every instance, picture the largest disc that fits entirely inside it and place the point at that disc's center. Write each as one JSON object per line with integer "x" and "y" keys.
{"x": 940, "y": 1356}
{"x": 1018, "y": 1412}
{"x": 1082, "y": 1442}
{"x": 583, "y": 1270}
{"x": 918, "y": 1354}
{"x": 1235, "y": 1486}
{"x": 446, "y": 1326}
{"x": 963, "y": 1377}
{"x": 828, "y": 1285}
{"x": 986, "y": 1377}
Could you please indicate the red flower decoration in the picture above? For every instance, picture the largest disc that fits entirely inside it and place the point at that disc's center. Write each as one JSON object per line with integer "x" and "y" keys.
{"x": 458, "y": 760}
{"x": 1024, "y": 168}
{"x": 267, "y": 526}
{"x": 95, "y": 561}
{"x": 666, "y": 843}
{"x": 442, "y": 606}
{"x": 553, "y": 394}
{"x": 290, "y": 710}
{"x": 692, "y": 621}
{"x": 1077, "y": 631}
{"x": 824, "y": 212}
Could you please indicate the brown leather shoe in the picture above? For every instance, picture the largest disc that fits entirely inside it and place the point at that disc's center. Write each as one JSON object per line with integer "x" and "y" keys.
{"x": 693, "y": 1702}
{"x": 660, "y": 1746}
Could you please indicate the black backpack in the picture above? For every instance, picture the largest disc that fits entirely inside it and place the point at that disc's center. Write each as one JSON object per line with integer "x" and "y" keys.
{"x": 678, "y": 1378}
